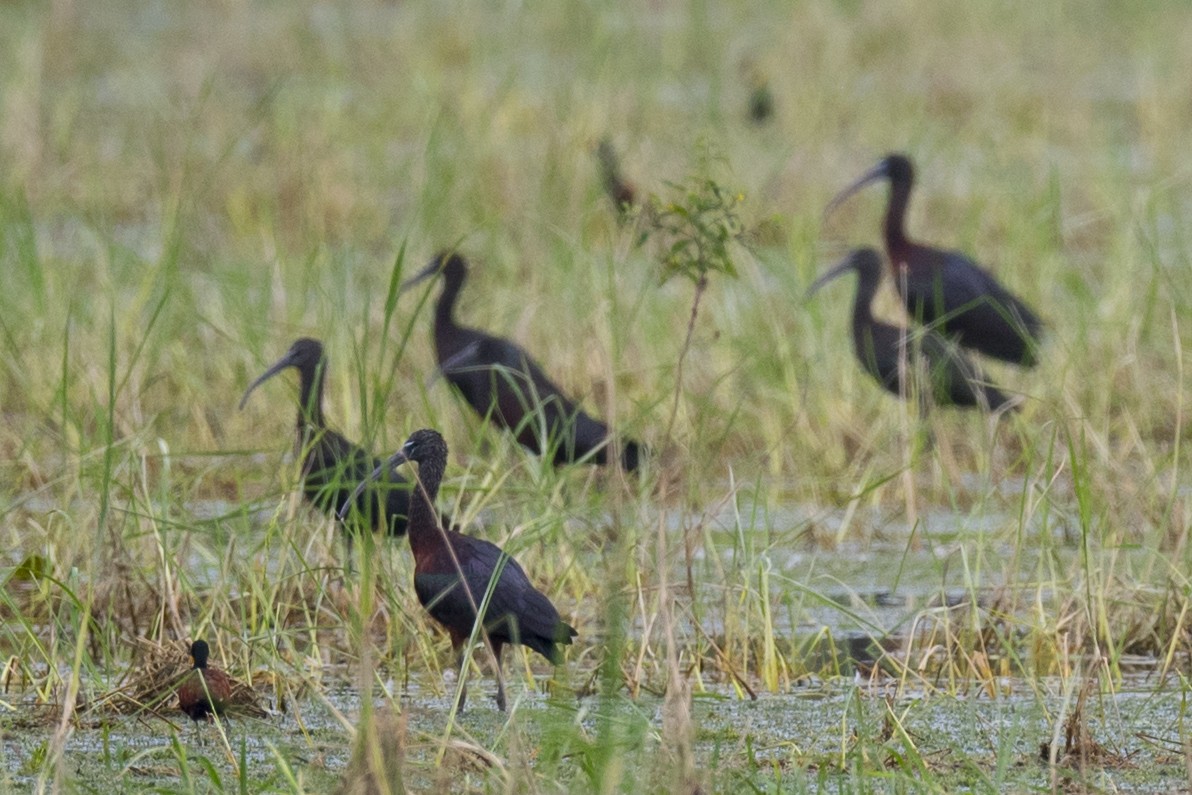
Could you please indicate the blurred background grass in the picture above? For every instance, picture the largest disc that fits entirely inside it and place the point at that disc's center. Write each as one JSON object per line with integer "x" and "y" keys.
{"x": 248, "y": 172}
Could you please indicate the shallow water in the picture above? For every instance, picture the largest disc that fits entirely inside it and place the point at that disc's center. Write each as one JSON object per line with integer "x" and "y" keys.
{"x": 818, "y": 729}
{"x": 877, "y": 595}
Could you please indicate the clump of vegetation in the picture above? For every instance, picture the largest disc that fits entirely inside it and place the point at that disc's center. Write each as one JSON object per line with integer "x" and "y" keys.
{"x": 697, "y": 230}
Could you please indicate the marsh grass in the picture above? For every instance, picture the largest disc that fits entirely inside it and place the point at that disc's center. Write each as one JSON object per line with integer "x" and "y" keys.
{"x": 183, "y": 191}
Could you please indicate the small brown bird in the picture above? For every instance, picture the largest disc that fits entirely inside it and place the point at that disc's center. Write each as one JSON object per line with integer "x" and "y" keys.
{"x": 205, "y": 690}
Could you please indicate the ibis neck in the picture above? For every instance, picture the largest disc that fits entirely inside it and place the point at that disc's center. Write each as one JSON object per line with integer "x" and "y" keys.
{"x": 445, "y": 309}
{"x": 423, "y": 526}
{"x": 895, "y": 222}
{"x": 863, "y": 304}
{"x": 310, "y": 397}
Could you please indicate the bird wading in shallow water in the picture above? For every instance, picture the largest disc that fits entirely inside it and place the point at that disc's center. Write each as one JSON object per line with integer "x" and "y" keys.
{"x": 332, "y": 466}
{"x": 945, "y": 289}
{"x": 897, "y": 358}
{"x": 455, "y": 575}
{"x": 205, "y": 691}
{"x": 502, "y": 382}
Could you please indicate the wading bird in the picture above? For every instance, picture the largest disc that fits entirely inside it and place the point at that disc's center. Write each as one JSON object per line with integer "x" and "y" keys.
{"x": 946, "y": 289}
{"x": 205, "y": 690}
{"x": 332, "y": 465}
{"x": 942, "y": 375}
{"x": 445, "y": 560}
{"x": 499, "y": 380}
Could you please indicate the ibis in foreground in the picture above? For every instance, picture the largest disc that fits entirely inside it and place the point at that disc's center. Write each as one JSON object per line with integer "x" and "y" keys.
{"x": 459, "y": 577}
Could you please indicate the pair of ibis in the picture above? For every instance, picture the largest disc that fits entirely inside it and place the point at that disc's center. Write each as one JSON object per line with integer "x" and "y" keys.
{"x": 453, "y": 572}
{"x": 496, "y": 377}
{"x": 957, "y": 303}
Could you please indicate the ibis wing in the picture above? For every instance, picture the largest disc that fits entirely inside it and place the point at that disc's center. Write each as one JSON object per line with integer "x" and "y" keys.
{"x": 501, "y": 380}
{"x": 517, "y": 612}
{"x": 948, "y": 289}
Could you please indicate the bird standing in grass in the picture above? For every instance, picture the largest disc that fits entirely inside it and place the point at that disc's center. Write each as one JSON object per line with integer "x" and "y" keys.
{"x": 206, "y": 690}
{"x": 332, "y": 465}
{"x": 945, "y": 289}
{"x": 501, "y": 381}
{"x": 894, "y": 355}
{"x": 458, "y": 577}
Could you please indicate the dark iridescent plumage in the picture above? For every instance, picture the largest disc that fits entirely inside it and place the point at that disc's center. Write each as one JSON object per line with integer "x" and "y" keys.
{"x": 945, "y": 289}
{"x": 889, "y": 353}
{"x": 332, "y": 466}
{"x": 502, "y": 382}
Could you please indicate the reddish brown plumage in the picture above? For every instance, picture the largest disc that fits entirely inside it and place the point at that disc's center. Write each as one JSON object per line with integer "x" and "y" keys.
{"x": 205, "y": 690}
{"x": 516, "y": 612}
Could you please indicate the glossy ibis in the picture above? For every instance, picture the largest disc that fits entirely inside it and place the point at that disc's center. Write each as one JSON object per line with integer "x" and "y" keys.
{"x": 501, "y": 381}
{"x": 445, "y": 559}
{"x": 332, "y": 465}
{"x": 205, "y": 690}
{"x": 946, "y": 289}
{"x": 888, "y": 352}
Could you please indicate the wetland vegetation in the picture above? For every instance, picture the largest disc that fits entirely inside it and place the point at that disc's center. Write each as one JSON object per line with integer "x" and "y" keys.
{"x": 804, "y": 588}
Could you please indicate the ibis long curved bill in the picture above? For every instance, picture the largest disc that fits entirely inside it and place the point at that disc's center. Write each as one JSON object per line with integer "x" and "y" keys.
{"x": 878, "y": 172}
{"x": 391, "y": 463}
{"x": 293, "y": 358}
{"x": 836, "y": 271}
{"x": 433, "y": 268}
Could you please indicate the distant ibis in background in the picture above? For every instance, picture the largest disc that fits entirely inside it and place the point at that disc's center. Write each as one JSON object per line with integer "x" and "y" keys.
{"x": 761, "y": 103}
{"x": 332, "y": 465}
{"x": 454, "y": 573}
{"x": 889, "y": 353}
{"x": 619, "y": 190}
{"x": 945, "y": 289}
{"x": 760, "y": 106}
{"x": 501, "y": 381}
{"x": 206, "y": 690}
